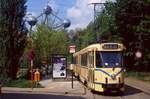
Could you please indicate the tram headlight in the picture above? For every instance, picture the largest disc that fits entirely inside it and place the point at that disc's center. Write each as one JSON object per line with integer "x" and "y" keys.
{"x": 106, "y": 64}
{"x": 117, "y": 64}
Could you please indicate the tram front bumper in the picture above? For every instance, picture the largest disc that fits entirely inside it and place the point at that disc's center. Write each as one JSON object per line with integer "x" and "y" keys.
{"x": 113, "y": 86}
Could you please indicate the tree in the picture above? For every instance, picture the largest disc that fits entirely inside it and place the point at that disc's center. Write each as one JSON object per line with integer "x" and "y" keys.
{"x": 106, "y": 22}
{"x": 106, "y": 27}
{"x": 12, "y": 35}
{"x": 47, "y": 42}
{"x": 133, "y": 20}
{"x": 125, "y": 21}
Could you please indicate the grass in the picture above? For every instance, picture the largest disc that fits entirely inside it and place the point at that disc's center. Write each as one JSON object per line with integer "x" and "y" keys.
{"x": 139, "y": 75}
{"x": 20, "y": 83}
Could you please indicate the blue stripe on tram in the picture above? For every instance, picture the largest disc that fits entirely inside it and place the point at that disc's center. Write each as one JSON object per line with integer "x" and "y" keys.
{"x": 122, "y": 69}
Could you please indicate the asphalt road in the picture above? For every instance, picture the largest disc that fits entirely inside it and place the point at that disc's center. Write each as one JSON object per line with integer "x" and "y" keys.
{"x": 130, "y": 93}
{"x": 37, "y": 96}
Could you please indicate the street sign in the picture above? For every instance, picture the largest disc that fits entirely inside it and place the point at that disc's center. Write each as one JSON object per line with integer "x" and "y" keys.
{"x": 31, "y": 55}
{"x": 72, "y": 49}
{"x": 138, "y": 54}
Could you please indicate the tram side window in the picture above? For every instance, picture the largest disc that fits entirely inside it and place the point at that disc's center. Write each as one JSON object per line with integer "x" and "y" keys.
{"x": 74, "y": 60}
{"x": 91, "y": 59}
{"x": 84, "y": 59}
{"x": 98, "y": 60}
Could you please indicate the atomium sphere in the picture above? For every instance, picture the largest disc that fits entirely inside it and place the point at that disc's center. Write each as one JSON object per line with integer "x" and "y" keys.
{"x": 47, "y": 10}
{"x": 31, "y": 20}
{"x": 66, "y": 23}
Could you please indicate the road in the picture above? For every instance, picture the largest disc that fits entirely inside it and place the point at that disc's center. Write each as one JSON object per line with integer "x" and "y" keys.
{"x": 130, "y": 93}
{"x": 37, "y": 96}
{"x": 63, "y": 90}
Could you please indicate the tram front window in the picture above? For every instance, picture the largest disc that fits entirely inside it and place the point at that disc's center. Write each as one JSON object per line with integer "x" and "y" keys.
{"x": 108, "y": 59}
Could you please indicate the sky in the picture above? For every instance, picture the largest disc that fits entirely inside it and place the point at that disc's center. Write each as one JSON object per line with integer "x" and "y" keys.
{"x": 79, "y": 12}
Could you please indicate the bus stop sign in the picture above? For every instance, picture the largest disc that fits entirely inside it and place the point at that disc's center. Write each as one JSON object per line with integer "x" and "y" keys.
{"x": 72, "y": 49}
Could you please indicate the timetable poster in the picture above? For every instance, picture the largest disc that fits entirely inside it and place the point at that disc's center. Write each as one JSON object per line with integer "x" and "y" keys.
{"x": 59, "y": 67}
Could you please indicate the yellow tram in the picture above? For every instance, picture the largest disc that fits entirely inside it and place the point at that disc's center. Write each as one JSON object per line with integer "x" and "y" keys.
{"x": 100, "y": 66}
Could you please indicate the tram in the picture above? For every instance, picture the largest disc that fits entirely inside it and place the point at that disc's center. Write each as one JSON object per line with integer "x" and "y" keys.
{"x": 100, "y": 67}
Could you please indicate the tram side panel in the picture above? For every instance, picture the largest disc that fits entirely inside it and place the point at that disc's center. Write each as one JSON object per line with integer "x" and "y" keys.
{"x": 84, "y": 74}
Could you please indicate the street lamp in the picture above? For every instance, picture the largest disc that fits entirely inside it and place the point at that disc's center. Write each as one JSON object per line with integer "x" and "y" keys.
{"x": 96, "y": 4}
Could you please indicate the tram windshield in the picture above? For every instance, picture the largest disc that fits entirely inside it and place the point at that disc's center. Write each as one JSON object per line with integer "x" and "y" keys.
{"x": 109, "y": 59}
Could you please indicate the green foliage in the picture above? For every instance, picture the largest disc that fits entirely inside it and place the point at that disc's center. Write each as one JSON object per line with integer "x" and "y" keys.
{"x": 87, "y": 37}
{"x": 20, "y": 83}
{"x": 107, "y": 23}
{"x": 133, "y": 24}
{"x": 47, "y": 42}
{"x": 126, "y": 21}
{"x": 106, "y": 28}
{"x": 139, "y": 75}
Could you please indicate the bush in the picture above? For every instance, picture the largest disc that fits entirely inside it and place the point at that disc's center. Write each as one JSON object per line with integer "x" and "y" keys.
{"x": 139, "y": 75}
{"x": 20, "y": 83}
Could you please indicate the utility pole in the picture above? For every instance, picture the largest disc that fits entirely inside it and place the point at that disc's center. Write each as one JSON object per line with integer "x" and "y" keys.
{"x": 95, "y": 5}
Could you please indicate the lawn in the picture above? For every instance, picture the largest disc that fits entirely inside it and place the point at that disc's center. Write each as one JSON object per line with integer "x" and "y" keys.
{"x": 20, "y": 83}
{"x": 139, "y": 75}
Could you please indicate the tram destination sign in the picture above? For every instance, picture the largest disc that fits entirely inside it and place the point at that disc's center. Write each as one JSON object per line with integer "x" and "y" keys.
{"x": 110, "y": 46}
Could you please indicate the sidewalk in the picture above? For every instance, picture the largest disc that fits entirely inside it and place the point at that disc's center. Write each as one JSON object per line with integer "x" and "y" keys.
{"x": 63, "y": 87}
{"x": 138, "y": 84}
{"x": 60, "y": 87}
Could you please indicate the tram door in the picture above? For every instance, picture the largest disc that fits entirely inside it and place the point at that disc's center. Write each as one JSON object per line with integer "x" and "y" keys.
{"x": 91, "y": 69}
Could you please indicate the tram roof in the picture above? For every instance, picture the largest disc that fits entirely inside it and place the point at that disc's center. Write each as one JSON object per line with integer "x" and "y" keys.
{"x": 99, "y": 47}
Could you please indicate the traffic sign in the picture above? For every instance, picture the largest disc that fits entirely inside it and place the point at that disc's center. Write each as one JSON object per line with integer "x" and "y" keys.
{"x": 72, "y": 49}
{"x": 31, "y": 55}
{"x": 138, "y": 54}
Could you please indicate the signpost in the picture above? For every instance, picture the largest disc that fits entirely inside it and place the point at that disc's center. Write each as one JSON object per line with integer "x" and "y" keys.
{"x": 31, "y": 56}
{"x": 72, "y": 49}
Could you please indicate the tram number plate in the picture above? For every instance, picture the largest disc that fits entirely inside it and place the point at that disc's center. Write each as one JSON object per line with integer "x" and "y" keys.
{"x": 110, "y": 79}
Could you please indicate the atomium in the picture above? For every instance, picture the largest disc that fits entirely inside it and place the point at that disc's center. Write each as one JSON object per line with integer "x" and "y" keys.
{"x": 31, "y": 20}
{"x": 47, "y": 10}
{"x": 66, "y": 23}
{"x": 55, "y": 23}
